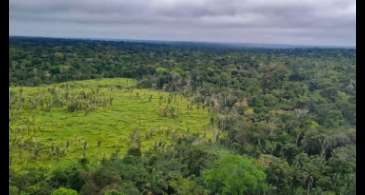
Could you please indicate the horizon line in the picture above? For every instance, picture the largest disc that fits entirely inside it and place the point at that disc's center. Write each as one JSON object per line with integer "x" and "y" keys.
{"x": 239, "y": 44}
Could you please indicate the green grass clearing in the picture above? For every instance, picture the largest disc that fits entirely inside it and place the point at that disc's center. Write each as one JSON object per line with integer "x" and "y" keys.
{"x": 49, "y": 138}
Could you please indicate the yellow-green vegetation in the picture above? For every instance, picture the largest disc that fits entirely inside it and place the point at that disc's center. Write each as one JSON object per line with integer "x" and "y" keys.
{"x": 55, "y": 124}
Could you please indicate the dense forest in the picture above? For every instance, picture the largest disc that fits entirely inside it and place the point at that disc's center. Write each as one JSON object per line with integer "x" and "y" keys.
{"x": 286, "y": 117}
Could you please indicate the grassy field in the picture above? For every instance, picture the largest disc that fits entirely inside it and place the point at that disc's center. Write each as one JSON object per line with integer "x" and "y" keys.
{"x": 56, "y": 124}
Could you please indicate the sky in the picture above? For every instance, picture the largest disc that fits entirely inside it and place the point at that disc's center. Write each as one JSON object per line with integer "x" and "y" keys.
{"x": 295, "y": 22}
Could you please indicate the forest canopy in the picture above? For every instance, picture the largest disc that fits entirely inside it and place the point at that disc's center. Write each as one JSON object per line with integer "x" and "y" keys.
{"x": 286, "y": 117}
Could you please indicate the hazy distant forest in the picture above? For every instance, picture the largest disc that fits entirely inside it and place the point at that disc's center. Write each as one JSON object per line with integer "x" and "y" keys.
{"x": 283, "y": 121}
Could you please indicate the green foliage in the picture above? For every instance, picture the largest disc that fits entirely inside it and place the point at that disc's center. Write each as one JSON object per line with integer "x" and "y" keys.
{"x": 31, "y": 181}
{"x": 233, "y": 174}
{"x": 184, "y": 186}
{"x": 64, "y": 191}
{"x": 70, "y": 176}
{"x": 94, "y": 128}
{"x": 280, "y": 175}
{"x": 293, "y": 110}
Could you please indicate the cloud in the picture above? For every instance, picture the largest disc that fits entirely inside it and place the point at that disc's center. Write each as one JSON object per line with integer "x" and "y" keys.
{"x": 325, "y": 22}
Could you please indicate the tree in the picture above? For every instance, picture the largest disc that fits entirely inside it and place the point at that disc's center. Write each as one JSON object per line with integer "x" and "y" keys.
{"x": 234, "y": 174}
{"x": 280, "y": 175}
{"x": 184, "y": 186}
